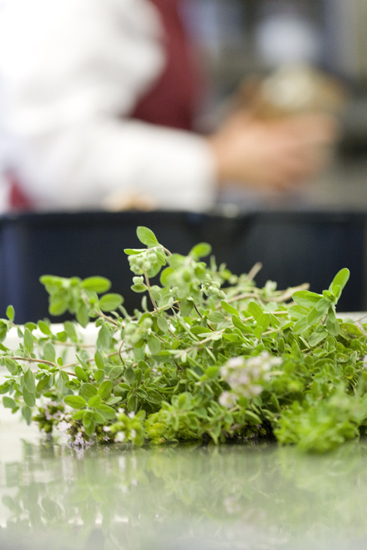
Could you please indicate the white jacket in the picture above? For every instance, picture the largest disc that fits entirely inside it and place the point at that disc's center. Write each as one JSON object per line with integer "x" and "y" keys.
{"x": 71, "y": 72}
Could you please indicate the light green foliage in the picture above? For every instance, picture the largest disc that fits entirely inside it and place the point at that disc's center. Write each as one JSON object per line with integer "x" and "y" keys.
{"x": 212, "y": 357}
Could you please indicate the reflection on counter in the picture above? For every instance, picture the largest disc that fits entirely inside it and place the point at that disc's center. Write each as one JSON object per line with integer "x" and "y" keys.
{"x": 182, "y": 497}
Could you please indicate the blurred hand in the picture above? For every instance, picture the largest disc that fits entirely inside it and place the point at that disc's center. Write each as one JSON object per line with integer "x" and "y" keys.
{"x": 274, "y": 154}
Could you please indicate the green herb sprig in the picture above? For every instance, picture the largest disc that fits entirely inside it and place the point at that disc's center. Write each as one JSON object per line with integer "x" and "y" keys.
{"x": 208, "y": 357}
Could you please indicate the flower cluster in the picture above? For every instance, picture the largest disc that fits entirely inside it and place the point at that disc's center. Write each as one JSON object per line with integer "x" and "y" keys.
{"x": 246, "y": 376}
{"x": 212, "y": 288}
{"x": 143, "y": 262}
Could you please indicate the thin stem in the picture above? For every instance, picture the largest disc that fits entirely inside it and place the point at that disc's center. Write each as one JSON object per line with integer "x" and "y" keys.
{"x": 42, "y": 361}
{"x": 76, "y": 345}
{"x": 182, "y": 352}
{"x": 283, "y": 297}
{"x": 198, "y": 312}
{"x": 254, "y": 271}
{"x": 149, "y": 290}
{"x": 173, "y": 334}
{"x": 75, "y": 364}
{"x": 207, "y": 322}
{"x": 107, "y": 318}
{"x": 32, "y": 360}
{"x": 120, "y": 350}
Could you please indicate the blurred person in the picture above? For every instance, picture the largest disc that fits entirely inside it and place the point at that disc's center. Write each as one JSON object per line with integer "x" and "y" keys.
{"x": 98, "y": 99}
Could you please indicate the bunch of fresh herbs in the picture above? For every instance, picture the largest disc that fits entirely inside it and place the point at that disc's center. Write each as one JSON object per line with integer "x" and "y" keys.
{"x": 208, "y": 357}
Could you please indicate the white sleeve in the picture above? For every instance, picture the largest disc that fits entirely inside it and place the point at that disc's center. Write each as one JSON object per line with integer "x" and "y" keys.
{"x": 71, "y": 74}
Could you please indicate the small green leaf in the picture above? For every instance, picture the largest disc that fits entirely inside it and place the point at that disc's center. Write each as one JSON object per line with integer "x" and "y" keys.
{"x": 88, "y": 390}
{"x": 200, "y": 250}
{"x": 105, "y": 389}
{"x": 239, "y": 324}
{"x": 252, "y": 418}
{"x": 10, "y": 313}
{"x": 99, "y": 360}
{"x": 115, "y": 373}
{"x": 134, "y": 251}
{"x": 317, "y": 337}
{"x": 75, "y": 401}
{"x": 11, "y": 365}
{"x": 114, "y": 400}
{"x": 104, "y": 338}
{"x": 332, "y": 324}
{"x": 162, "y": 324}
{"x": 165, "y": 275}
{"x": 58, "y": 304}
{"x": 154, "y": 397}
{"x": 301, "y": 325}
{"x": 339, "y": 282}
{"x": 229, "y": 309}
{"x": 9, "y": 403}
{"x": 106, "y": 411}
{"x": 80, "y": 373}
{"x": 306, "y": 298}
{"x": 44, "y": 328}
{"x": 216, "y": 317}
{"x": 186, "y": 307}
{"x": 89, "y": 426}
{"x": 255, "y": 310}
{"x": 263, "y": 321}
{"x": 70, "y": 330}
{"x": 4, "y": 331}
{"x": 318, "y": 312}
{"x": 95, "y": 401}
{"x": 98, "y": 418}
{"x": 79, "y": 414}
{"x": 62, "y": 336}
{"x": 43, "y": 383}
{"x": 28, "y": 340}
{"x": 200, "y": 330}
{"x": 29, "y": 381}
{"x": 98, "y": 375}
{"x": 138, "y": 288}
{"x": 98, "y": 284}
{"x": 129, "y": 376}
{"x": 49, "y": 353}
{"x": 27, "y": 414}
{"x": 146, "y": 236}
{"x": 132, "y": 403}
{"x": 29, "y": 398}
{"x": 154, "y": 344}
{"x": 82, "y": 315}
{"x": 110, "y": 302}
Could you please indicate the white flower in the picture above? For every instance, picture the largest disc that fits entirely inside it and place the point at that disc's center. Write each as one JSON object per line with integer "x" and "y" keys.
{"x": 247, "y": 375}
{"x": 120, "y": 436}
{"x": 106, "y": 429}
{"x": 63, "y": 426}
{"x": 131, "y": 415}
{"x": 133, "y": 434}
{"x": 235, "y": 362}
{"x": 227, "y": 399}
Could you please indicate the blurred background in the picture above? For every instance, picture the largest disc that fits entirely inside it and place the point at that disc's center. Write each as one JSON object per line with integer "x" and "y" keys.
{"x": 236, "y": 39}
{"x": 239, "y": 38}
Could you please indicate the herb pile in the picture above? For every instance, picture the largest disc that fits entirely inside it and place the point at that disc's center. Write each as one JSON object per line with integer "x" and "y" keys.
{"x": 208, "y": 357}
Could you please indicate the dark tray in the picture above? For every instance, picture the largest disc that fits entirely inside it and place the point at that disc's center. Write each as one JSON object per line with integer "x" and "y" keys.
{"x": 294, "y": 248}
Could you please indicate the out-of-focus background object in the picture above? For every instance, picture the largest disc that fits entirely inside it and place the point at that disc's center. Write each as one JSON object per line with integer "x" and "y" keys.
{"x": 236, "y": 38}
{"x": 239, "y": 38}
{"x": 291, "y": 90}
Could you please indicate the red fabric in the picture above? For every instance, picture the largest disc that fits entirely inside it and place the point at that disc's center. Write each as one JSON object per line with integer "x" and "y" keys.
{"x": 17, "y": 199}
{"x": 172, "y": 99}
